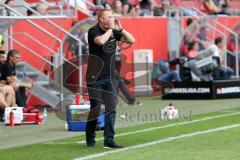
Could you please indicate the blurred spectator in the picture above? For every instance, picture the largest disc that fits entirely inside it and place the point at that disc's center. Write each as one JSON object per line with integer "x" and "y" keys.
{"x": 42, "y": 8}
{"x": 218, "y": 49}
{"x": 81, "y": 5}
{"x": 216, "y": 2}
{"x": 187, "y": 37}
{"x": 100, "y": 2}
{"x": 7, "y": 93}
{"x": 202, "y": 38}
{"x": 13, "y": 58}
{"x": 147, "y": 7}
{"x": 125, "y": 9}
{"x": 117, "y": 8}
{"x": 10, "y": 3}
{"x": 211, "y": 7}
{"x": 231, "y": 46}
{"x": 227, "y": 8}
{"x": 160, "y": 72}
{"x": 125, "y": 2}
{"x": 134, "y": 11}
{"x": 192, "y": 50}
{"x": 121, "y": 82}
{"x": 231, "y": 43}
{"x": 107, "y": 6}
{"x": 7, "y": 88}
{"x": 160, "y": 10}
{"x": 216, "y": 7}
{"x": 145, "y": 4}
{"x": 189, "y": 22}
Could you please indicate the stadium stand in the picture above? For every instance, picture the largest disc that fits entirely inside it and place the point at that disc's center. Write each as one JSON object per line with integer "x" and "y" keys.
{"x": 43, "y": 38}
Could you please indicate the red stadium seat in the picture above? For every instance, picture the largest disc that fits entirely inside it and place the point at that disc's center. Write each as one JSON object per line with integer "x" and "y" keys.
{"x": 187, "y": 3}
{"x": 36, "y": 1}
{"x": 234, "y": 4}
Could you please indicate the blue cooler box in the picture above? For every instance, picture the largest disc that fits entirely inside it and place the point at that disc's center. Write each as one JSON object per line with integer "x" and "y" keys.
{"x": 77, "y": 118}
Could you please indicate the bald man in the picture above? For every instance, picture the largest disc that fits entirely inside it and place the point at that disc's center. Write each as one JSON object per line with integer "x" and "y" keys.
{"x": 102, "y": 39}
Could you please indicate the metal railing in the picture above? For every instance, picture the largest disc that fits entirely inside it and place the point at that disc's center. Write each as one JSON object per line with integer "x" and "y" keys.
{"x": 90, "y": 4}
{"x": 28, "y": 19}
{"x": 228, "y": 31}
{"x": 215, "y": 28}
{"x": 54, "y": 25}
{"x": 62, "y": 30}
{"x": 35, "y": 40}
{"x": 38, "y": 55}
{"x": 60, "y": 5}
{"x": 30, "y": 50}
{"x": 91, "y": 7}
{"x": 41, "y": 44}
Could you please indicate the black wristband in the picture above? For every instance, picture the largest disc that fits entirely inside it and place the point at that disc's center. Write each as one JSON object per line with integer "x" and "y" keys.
{"x": 118, "y": 31}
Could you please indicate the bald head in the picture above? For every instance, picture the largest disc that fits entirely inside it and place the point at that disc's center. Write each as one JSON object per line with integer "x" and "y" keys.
{"x": 103, "y": 12}
{"x": 105, "y": 18}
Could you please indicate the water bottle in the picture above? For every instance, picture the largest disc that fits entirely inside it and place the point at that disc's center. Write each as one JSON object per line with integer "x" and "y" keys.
{"x": 11, "y": 118}
{"x": 45, "y": 114}
{"x": 77, "y": 98}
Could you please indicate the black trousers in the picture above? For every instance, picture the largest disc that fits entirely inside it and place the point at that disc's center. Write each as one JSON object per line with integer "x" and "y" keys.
{"x": 21, "y": 97}
{"x": 1, "y": 114}
{"x": 121, "y": 86}
{"x": 102, "y": 92}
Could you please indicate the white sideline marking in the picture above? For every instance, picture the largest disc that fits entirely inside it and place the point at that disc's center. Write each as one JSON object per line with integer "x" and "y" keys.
{"x": 170, "y": 125}
{"x": 159, "y": 141}
{"x": 155, "y": 128}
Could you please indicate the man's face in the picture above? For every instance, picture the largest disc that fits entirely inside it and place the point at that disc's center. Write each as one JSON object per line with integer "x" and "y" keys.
{"x": 106, "y": 19}
{"x": 11, "y": 3}
{"x": 125, "y": 9}
{"x": 15, "y": 59}
{"x": 118, "y": 7}
{"x": 195, "y": 47}
{"x": 205, "y": 31}
{"x": 2, "y": 58}
{"x": 221, "y": 45}
{"x": 42, "y": 9}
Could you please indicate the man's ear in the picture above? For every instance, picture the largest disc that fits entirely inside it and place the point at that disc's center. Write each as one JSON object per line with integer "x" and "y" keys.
{"x": 100, "y": 19}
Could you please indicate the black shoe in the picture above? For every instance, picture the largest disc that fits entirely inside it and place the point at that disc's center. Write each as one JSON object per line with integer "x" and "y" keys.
{"x": 112, "y": 145}
{"x": 1, "y": 115}
{"x": 91, "y": 143}
{"x": 135, "y": 103}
